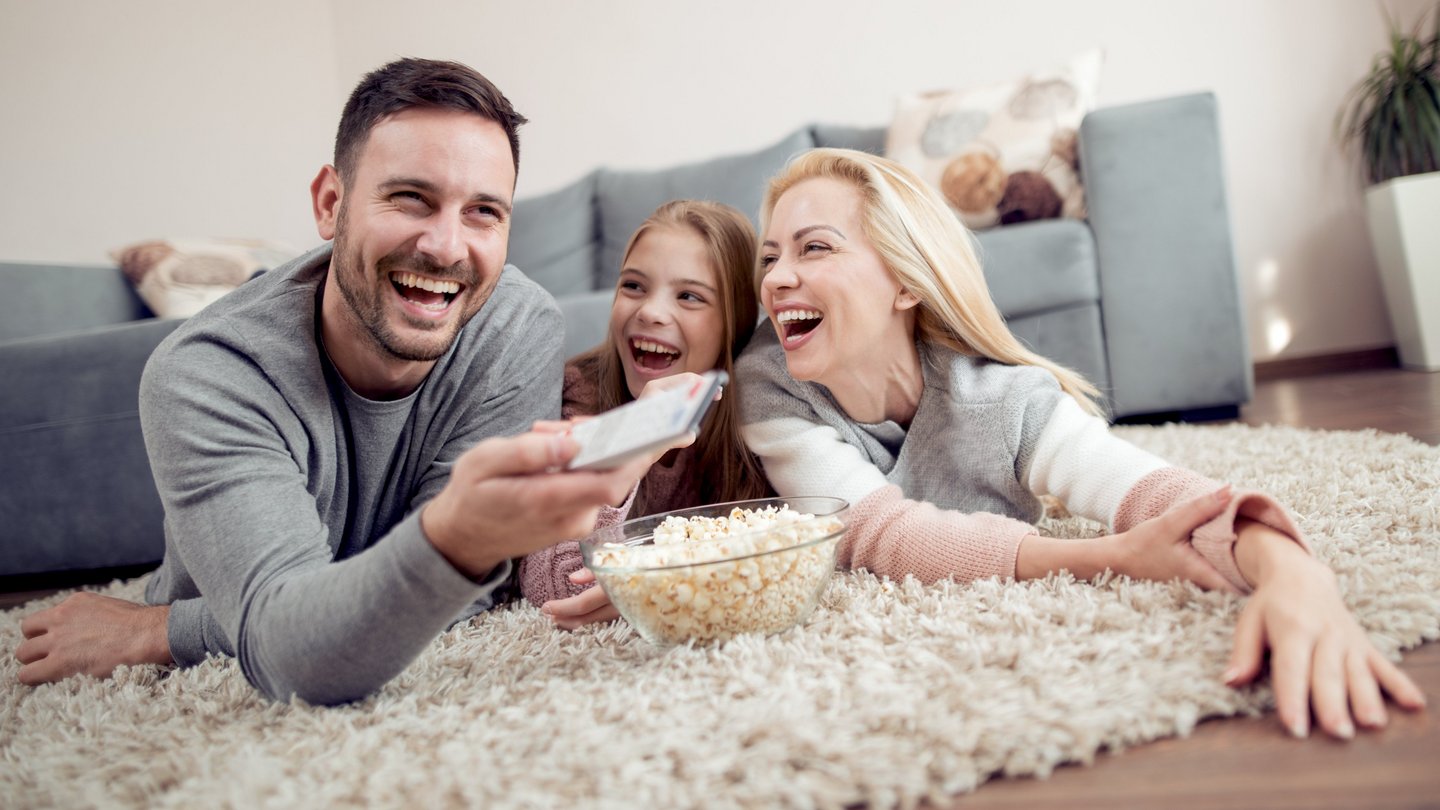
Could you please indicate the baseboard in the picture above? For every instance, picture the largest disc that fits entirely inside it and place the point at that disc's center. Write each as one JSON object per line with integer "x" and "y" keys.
{"x": 1363, "y": 360}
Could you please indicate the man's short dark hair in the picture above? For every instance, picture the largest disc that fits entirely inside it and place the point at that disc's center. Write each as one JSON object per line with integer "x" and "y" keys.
{"x": 407, "y": 83}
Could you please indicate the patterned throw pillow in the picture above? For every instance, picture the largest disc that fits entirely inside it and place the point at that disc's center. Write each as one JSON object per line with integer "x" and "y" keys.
{"x": 1005, "y": 153}
{"x": 179, "y": 277}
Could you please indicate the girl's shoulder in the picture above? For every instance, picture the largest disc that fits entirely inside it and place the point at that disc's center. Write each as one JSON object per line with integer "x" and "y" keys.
{"x": 581, "y": 388}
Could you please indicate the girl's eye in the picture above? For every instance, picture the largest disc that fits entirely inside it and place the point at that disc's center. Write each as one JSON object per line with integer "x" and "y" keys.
{"x": 631, "y": 286}
{"x": 692, "y": 297}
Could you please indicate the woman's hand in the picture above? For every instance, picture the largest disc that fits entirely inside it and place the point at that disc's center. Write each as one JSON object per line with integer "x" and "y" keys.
{"x": 1159, "y": 549}
{"x": 1320, "y": 657}
{"x": 593, "y": 605}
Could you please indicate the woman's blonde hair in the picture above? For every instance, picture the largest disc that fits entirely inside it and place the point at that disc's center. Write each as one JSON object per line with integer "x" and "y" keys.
{"x": 726, "y": 469}
{"x": 931, "y": 254}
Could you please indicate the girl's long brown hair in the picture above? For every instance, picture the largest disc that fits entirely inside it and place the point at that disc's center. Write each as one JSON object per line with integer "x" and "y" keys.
{"x": 728, "y": 471}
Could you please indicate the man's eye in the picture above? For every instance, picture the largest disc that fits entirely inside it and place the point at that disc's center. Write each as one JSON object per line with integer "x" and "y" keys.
{"x": 487, "y": 211}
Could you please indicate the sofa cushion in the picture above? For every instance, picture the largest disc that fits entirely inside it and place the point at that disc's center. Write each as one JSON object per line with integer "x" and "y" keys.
{"x": 553, "y": 238}
{"x": 1040, "y": 266}
{"x": 1003, "y": 153}
{"x": 179, "y": 277}
{"x": 626, "y": 198}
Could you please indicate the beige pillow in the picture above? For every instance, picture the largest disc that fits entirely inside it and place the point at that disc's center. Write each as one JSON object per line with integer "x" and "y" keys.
{"x": 179, "y": 277}
{"x": 1005, "y": 153}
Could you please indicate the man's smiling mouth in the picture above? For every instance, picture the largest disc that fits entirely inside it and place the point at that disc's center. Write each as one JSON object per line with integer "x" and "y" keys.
{"x": 427, "y": 293}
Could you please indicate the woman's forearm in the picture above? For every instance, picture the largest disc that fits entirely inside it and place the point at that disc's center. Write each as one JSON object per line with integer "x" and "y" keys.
{"x": 1262, "y": 552}
{"x": 1085, "y": 559}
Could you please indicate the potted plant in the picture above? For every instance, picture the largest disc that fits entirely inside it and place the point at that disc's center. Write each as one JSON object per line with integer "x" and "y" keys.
{"x": 1393, "y": 118}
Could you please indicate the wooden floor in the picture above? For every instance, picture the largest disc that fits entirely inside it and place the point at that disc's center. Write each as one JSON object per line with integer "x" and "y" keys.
{"x": 1252, "y": 763}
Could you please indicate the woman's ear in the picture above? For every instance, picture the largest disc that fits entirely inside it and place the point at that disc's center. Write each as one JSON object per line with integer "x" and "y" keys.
{"x": 904, "y": 299}
{"x": 326, "y": 192}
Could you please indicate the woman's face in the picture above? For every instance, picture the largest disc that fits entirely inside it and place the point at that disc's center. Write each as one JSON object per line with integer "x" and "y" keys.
{"x": 667, "y": 316}
{"x": 830, "y": 297}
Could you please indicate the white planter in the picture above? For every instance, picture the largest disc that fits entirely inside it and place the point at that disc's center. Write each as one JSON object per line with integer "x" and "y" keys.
{"x": 1404, "y": 217}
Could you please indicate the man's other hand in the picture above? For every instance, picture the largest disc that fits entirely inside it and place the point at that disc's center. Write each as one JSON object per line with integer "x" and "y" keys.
{"x": 91, "y": 634}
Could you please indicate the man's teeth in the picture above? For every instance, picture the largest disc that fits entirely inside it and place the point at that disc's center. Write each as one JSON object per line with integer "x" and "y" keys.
{"x": 652, "y": 346}
{"x": 412, "y": 280}
{"x": 798, "y": 315}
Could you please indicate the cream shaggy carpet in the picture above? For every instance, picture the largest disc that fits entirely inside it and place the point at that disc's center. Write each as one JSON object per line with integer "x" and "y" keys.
{"x": 890, "y": 694}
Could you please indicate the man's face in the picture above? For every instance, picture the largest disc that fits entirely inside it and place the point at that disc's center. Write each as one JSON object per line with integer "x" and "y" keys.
{"x": 421, "y": 230}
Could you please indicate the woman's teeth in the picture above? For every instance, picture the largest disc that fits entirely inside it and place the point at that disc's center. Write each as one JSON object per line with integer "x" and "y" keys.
{"x": 798, "y": 315}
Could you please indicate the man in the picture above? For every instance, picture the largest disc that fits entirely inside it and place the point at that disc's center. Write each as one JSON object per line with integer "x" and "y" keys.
{"x": 326, "y": 440}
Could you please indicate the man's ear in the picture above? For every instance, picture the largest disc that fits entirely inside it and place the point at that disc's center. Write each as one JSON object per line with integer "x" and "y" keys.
{"x": 905, "y": 300}
{"x": 326, "y": 194}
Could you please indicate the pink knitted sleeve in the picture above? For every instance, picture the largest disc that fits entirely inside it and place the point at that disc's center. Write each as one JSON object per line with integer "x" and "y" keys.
{"x": 1161, "y": 490}
{"x": 545, "y": 574}
{"x": 891, "y": 536}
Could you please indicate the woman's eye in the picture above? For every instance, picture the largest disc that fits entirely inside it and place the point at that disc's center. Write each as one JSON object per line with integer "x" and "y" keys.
{"x": 814, "y": 246}
{"x": 766, "y": 261}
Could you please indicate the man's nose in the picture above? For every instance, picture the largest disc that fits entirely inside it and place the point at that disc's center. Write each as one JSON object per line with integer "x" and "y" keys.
{"x": 442, "y": 239}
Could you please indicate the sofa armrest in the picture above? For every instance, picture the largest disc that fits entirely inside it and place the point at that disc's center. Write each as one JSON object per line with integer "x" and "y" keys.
{"x": 1170, "y": 299}
{"x": 78, "y": 492}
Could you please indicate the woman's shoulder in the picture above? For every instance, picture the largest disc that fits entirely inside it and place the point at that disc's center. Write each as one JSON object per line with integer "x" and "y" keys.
{"x": 979, "y": 380}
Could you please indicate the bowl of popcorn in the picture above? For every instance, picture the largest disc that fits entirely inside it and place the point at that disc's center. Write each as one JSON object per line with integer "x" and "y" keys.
{"x": 713, "y": 572}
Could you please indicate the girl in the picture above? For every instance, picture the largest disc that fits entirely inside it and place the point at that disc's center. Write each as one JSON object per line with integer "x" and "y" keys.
{"x": 887, "y": 376}
{"x": 684, "y": 303}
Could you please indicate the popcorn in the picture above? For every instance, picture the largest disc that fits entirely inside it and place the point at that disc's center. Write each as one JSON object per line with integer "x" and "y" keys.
{"x": 753, "y": 571}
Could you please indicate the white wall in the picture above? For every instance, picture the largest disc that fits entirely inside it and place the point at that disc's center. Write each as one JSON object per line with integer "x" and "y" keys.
{"x": 141, "y": 119}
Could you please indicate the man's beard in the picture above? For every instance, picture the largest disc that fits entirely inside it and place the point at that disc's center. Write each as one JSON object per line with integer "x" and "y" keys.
{"x": 366, "y": 298}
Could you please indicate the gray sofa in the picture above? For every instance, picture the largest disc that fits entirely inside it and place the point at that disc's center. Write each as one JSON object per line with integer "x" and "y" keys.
{"x": 1142, "y": 298}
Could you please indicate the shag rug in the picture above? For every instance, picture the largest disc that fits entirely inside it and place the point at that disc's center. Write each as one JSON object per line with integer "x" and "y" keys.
{"x": 890, "y": 694}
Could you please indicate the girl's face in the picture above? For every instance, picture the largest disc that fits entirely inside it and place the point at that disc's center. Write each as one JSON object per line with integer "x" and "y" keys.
{"x": 667, "y": 316}
{"x": 828, "y": 293}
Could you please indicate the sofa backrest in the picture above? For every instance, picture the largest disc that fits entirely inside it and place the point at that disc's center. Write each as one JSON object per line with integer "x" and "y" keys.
{"x": 572, "y": 240}
{"x": 46, "y": 299}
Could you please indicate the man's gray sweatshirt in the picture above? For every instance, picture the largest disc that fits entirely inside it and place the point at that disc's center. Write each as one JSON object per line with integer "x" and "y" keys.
{"x": 292, "y": 532}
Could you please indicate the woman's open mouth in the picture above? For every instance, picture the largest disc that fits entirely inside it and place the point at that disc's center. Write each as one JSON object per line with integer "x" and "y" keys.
{"x": 428, "y": 294}
{"x": 796, "y": 324}
{"x": 653, "y": 356}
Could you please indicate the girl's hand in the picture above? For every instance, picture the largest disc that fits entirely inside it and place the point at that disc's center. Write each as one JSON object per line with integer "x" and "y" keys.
{"x": 582, "y": 609}
{"x": 1159, "y": 549}
{"x": 1320, "y": 657}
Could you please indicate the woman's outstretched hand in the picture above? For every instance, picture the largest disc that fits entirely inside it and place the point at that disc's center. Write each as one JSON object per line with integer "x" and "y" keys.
{"x": 1320, "y": 657}
{"x": 592, "y": 605}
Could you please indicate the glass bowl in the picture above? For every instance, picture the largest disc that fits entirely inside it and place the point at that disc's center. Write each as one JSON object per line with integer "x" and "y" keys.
{"x": 758, "y": 580}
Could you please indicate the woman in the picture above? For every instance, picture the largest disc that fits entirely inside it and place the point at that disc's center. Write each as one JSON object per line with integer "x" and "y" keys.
{"x": 887, "y": 376}
{"x": 683, "y": 304}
